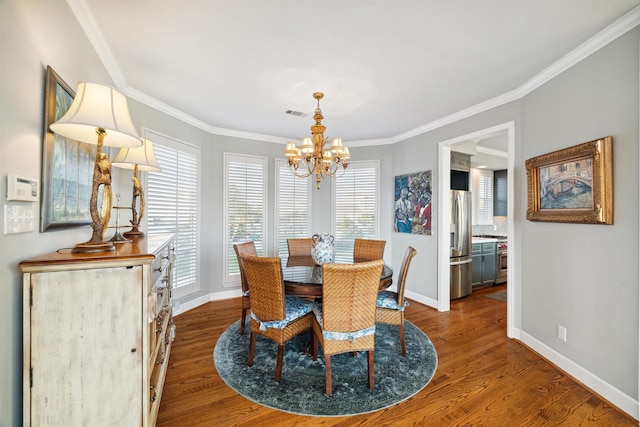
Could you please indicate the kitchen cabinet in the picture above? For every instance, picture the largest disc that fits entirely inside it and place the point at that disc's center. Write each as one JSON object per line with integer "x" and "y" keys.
{"x": 483, "y": 263}
{"x": 460, "y": 167}
{"x": 460, "y": 161}
{"x": 500, "y": 193}
{"x": 97, "y": 332}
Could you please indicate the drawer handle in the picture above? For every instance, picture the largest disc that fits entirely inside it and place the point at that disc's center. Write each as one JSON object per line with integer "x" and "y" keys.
{"x": 153, "y": 398}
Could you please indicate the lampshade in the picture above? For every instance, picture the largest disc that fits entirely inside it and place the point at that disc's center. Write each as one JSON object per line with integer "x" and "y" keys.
{"x": 142, "y": 156}
{"x": 96, "y": 106}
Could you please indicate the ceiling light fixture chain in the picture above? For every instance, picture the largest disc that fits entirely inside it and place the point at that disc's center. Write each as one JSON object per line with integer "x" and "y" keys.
{"x": 311, "y": 158}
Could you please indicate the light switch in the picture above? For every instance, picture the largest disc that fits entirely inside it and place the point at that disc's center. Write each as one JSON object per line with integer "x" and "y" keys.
{"x": 18, "y": 219}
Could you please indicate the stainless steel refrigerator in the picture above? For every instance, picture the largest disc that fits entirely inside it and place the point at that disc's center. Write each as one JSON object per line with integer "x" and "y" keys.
{"x": 460, "y": 243}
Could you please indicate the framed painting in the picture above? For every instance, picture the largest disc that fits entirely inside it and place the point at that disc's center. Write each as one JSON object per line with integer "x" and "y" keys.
{"x": 412, "y": 206}
{"x": 67, "y": 165}
{"x": 574, "y": 184}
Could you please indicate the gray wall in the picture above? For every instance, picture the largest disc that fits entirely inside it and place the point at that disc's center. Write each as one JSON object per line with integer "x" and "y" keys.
{"x": 31, "y": 38}
{"x": 583, "y": 277}
{"x": 421, "y": 153}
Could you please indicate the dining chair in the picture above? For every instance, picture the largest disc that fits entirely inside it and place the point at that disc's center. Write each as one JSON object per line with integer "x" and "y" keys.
{"x": 273, "y": 315}
{"x": 390, "y": 305}
{"x": 300, "y": 247}
{"x": 346, "y": 319}
{"x": 250, "y": 249}
{"x": 368, "y": 249}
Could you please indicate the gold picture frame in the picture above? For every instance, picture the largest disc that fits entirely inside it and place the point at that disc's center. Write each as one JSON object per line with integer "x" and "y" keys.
{"x": 67, "y": 165}
{"x": 573, "y": 185}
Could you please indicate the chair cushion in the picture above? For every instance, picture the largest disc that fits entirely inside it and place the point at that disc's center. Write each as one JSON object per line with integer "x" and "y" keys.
{"x": 340, "y": 336}
{"x": 295, "y": 308}
{"x": 389, "y": 299}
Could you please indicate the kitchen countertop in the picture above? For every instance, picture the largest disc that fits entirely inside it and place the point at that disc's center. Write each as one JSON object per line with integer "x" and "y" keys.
{"x": 484, "y": 240}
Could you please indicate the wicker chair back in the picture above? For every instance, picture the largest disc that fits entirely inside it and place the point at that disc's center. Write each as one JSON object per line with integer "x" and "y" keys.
{"x": 368, "y": 250}
{"x": 300, "y": 247}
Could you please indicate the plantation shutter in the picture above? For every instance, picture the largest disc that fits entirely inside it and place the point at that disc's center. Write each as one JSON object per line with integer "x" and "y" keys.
{"x": 355, "y": 202}
{"x": 244, "y": 206}
{"x": 293, "y": 206}
{"x": 172, "y": 204}
{"x": 484, "y": 197}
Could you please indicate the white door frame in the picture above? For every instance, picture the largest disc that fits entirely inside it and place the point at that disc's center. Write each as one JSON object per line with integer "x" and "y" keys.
{"x": 444, "y": 209}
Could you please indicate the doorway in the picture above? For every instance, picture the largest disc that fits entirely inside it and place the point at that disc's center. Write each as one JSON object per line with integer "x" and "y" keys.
{"x": 444, "y": 166}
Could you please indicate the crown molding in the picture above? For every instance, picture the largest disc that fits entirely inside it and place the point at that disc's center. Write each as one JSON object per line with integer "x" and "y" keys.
{"x": 370, "y": 142}
{"x": 619, "y": 27}
{"x": 89, "y": 25}
{"x": 492, "y": 151}
{"x": 182, "y": 116}
{"x": 462, "y": 114}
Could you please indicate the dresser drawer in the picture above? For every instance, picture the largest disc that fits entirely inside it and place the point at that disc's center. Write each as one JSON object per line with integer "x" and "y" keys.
{"x": 159, "y": 267}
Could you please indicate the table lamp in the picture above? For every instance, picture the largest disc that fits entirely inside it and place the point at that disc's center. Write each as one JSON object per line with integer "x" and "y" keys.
{"x": 139, "y": 159}
{"x": 98, "y": 115}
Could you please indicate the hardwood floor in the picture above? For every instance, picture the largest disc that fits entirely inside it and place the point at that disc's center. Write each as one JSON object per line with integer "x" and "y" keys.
{"x": 482, "y": 379}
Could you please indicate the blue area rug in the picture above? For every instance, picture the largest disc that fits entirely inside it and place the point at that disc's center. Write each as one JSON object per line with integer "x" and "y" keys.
{"x": 301, "y": 390}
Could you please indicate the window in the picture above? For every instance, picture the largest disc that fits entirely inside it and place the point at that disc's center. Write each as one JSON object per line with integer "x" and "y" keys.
{"x": 482, "y": 189}
{"x": 293, "y": 206}
{"x": 173, "y": 206}
{"x": 355, "y": 207}
{"x": 245, "y": 203}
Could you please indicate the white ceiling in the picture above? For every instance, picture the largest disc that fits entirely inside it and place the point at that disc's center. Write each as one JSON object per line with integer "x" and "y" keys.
{"x": 387, "y": 68}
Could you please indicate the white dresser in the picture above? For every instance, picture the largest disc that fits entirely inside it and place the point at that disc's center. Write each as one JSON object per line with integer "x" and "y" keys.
{"x": 98, "y": 330}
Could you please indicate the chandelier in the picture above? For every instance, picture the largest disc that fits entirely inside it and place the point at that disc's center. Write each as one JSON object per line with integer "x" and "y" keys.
{"x": 311, "y": 158}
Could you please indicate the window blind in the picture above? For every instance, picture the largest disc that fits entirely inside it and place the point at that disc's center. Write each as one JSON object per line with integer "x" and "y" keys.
{"x": 355, "y": 201}
{"x": 173, "y": 206}
{"x": 244, "y": 207}
{"x": 293, "y": 207}
{"x": 483, "y": 198}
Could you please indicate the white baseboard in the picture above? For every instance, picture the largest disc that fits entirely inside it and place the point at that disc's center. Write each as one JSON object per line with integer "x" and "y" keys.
{"x": 421, "y": 299}
{"x": 182, "y": 307}
{"x": 623, "y": 401}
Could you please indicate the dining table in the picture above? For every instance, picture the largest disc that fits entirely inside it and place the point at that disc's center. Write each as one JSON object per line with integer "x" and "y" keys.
{"x": 303, "y": 277}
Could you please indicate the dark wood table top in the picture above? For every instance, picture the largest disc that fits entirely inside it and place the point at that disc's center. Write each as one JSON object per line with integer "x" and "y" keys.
{"x": 303, "y": 278}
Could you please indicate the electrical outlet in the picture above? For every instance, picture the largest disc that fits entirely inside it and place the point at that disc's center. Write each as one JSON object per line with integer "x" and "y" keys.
{"x": 562, "y": 333}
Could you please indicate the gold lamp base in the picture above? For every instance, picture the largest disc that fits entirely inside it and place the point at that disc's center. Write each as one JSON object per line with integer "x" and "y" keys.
{"x": 91, "y": 247}
{"x": 134, "y": 234}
